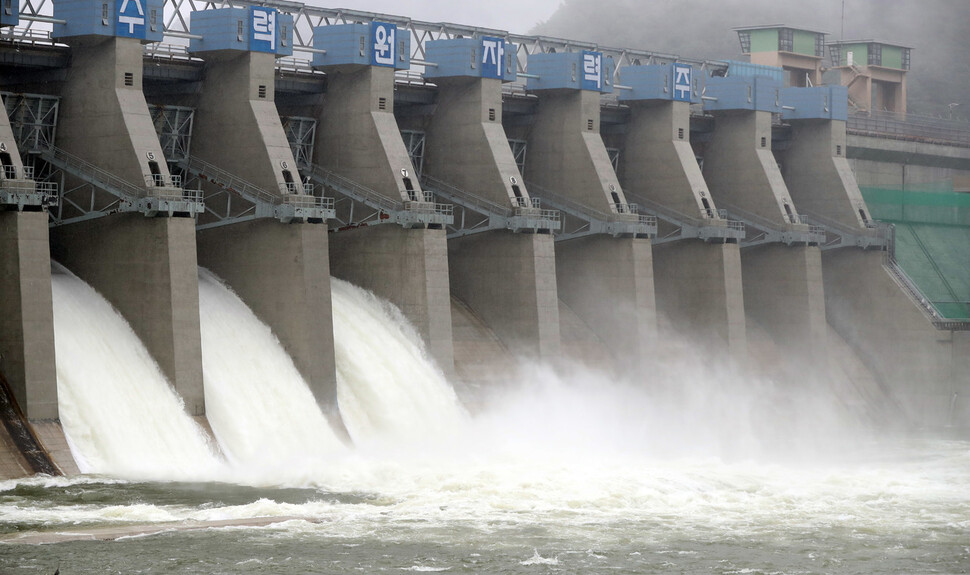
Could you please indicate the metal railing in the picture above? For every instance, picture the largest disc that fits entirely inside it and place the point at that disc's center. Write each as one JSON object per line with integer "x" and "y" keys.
{"x": 301, "y": 188}
{"x": 873, "y": 235}
{"x": 231, "y": 183}
{"x": 285, "y": 206}
{"x": 387, "y": 210}
{"x": 23, "y": 192}
{"x": 104, "y": 179}
{"x": 148, "y": 200}
{"x": 910, "y": 127}
{"x": 523, "y": 213}
{"x": 883, "y": 236}
{"x": 773, "y": 232}
{"x": 918, "y": 297}
{"x": 627, "y": 222}
{"x": 159, "y": 181}
{"x": 686, "y": 226}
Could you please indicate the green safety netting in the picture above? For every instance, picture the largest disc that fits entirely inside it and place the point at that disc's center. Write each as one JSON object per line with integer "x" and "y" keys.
{"x": 932, "y": 242}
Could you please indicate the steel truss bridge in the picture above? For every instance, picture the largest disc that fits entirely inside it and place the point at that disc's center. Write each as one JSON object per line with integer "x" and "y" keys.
{"x": 37, "y": 18}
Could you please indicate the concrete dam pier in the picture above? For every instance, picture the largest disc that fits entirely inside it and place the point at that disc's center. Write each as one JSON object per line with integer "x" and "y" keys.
{"x": 516, "y": 198}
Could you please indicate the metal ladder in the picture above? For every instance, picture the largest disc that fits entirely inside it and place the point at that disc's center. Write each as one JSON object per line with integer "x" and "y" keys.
{"x": 156, "y": 198}
{"x": 380, "y": 209}
{"x": 770, "y": 232}
{"x": 626, "y": 222}
{"x": 713, "y": 230}
{"x": 288, "y": 206}
{"x": 480, "y": 215}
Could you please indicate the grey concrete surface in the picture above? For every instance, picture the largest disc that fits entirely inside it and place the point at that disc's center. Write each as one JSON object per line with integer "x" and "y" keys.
{"x": 26, "y": 313}
{"x": 147, "y": 269}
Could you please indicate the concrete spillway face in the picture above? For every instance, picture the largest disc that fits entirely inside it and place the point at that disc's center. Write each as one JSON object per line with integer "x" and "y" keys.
{"x": 508, "y": 279}
{"x": 924, "y": 369}
{"x": 783, "y": 288}
{"x": 818, "y": 174}
{"x": 409, "y": 268}
{"x": 282, "y": 272}
{"x": 606, "y": 281}
{"x": 698, "y": 284}
{"x": 147, "y": 269}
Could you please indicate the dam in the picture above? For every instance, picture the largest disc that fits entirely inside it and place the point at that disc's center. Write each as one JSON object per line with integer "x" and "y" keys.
{"x": 516, "y": 198}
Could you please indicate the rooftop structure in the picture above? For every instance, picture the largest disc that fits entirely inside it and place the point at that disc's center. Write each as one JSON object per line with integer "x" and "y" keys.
{"x": 798, "y": 51}
{"x": 874, "y": 72}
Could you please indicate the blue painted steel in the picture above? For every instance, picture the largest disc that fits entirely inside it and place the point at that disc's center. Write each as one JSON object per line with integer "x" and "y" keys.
{"x": 759, "y": 93}
{"x": 262, "y": 33}
{"x": 10, "y": 13}
{"x": 484, "y": 57}
{"x": 683, "y": 87}
{"x": 658, "y": 82}
{"x": 370, "y": 44}
{"x": 130, "y": 19}
{"x": 383, "y": 42}
{"x": 822, "y": 102}
{"x": 139, "y": 19}
{"x": 574, "y": 70}
{"x": 250, "y": 29}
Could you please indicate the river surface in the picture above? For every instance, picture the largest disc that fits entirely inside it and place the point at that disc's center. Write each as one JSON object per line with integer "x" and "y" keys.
{"x": 881, "y": 510}
{"x": 686, "y": 469}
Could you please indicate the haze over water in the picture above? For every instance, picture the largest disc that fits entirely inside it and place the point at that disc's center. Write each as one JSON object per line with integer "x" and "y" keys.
{"x": 691, "y": 469}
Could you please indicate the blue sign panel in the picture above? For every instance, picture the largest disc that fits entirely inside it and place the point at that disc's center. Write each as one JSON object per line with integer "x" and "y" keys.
{"x": 592, "y": 73}
{"x": 263, "y": 30}
{"x": 682, "y": 82}
{"x": 130, "y": 21}
{"x": 383, "y": 36}
{"x": 493, "y": 57}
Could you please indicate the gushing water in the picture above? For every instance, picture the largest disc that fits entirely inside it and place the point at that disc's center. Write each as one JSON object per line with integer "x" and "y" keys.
{"x": 686, "y": 468}
{"x": 387, "y": 386}
{"x": 259, "y": 406}
{"x": 117, "y": 409}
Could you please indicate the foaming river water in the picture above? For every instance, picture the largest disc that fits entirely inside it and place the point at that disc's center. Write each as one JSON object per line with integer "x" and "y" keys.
{"x": 689, "y": 470}
{"x": 877, "y": 512}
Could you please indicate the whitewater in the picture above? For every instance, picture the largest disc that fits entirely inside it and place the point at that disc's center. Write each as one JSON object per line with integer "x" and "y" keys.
{"x": 686, "y": 469}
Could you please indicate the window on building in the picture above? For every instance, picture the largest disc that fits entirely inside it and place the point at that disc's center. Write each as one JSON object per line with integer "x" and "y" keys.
{"x": 786, "y": 40}
{"x": 745, "y": 38}
{"x": 820, "y": 45}
{"x": 875, "y": 54}
{"x": 905, "y": 58}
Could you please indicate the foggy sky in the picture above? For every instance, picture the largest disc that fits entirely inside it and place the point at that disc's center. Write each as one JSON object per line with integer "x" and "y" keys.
{"x": 937, "y": 30}
{"x": 516, "y": 16}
